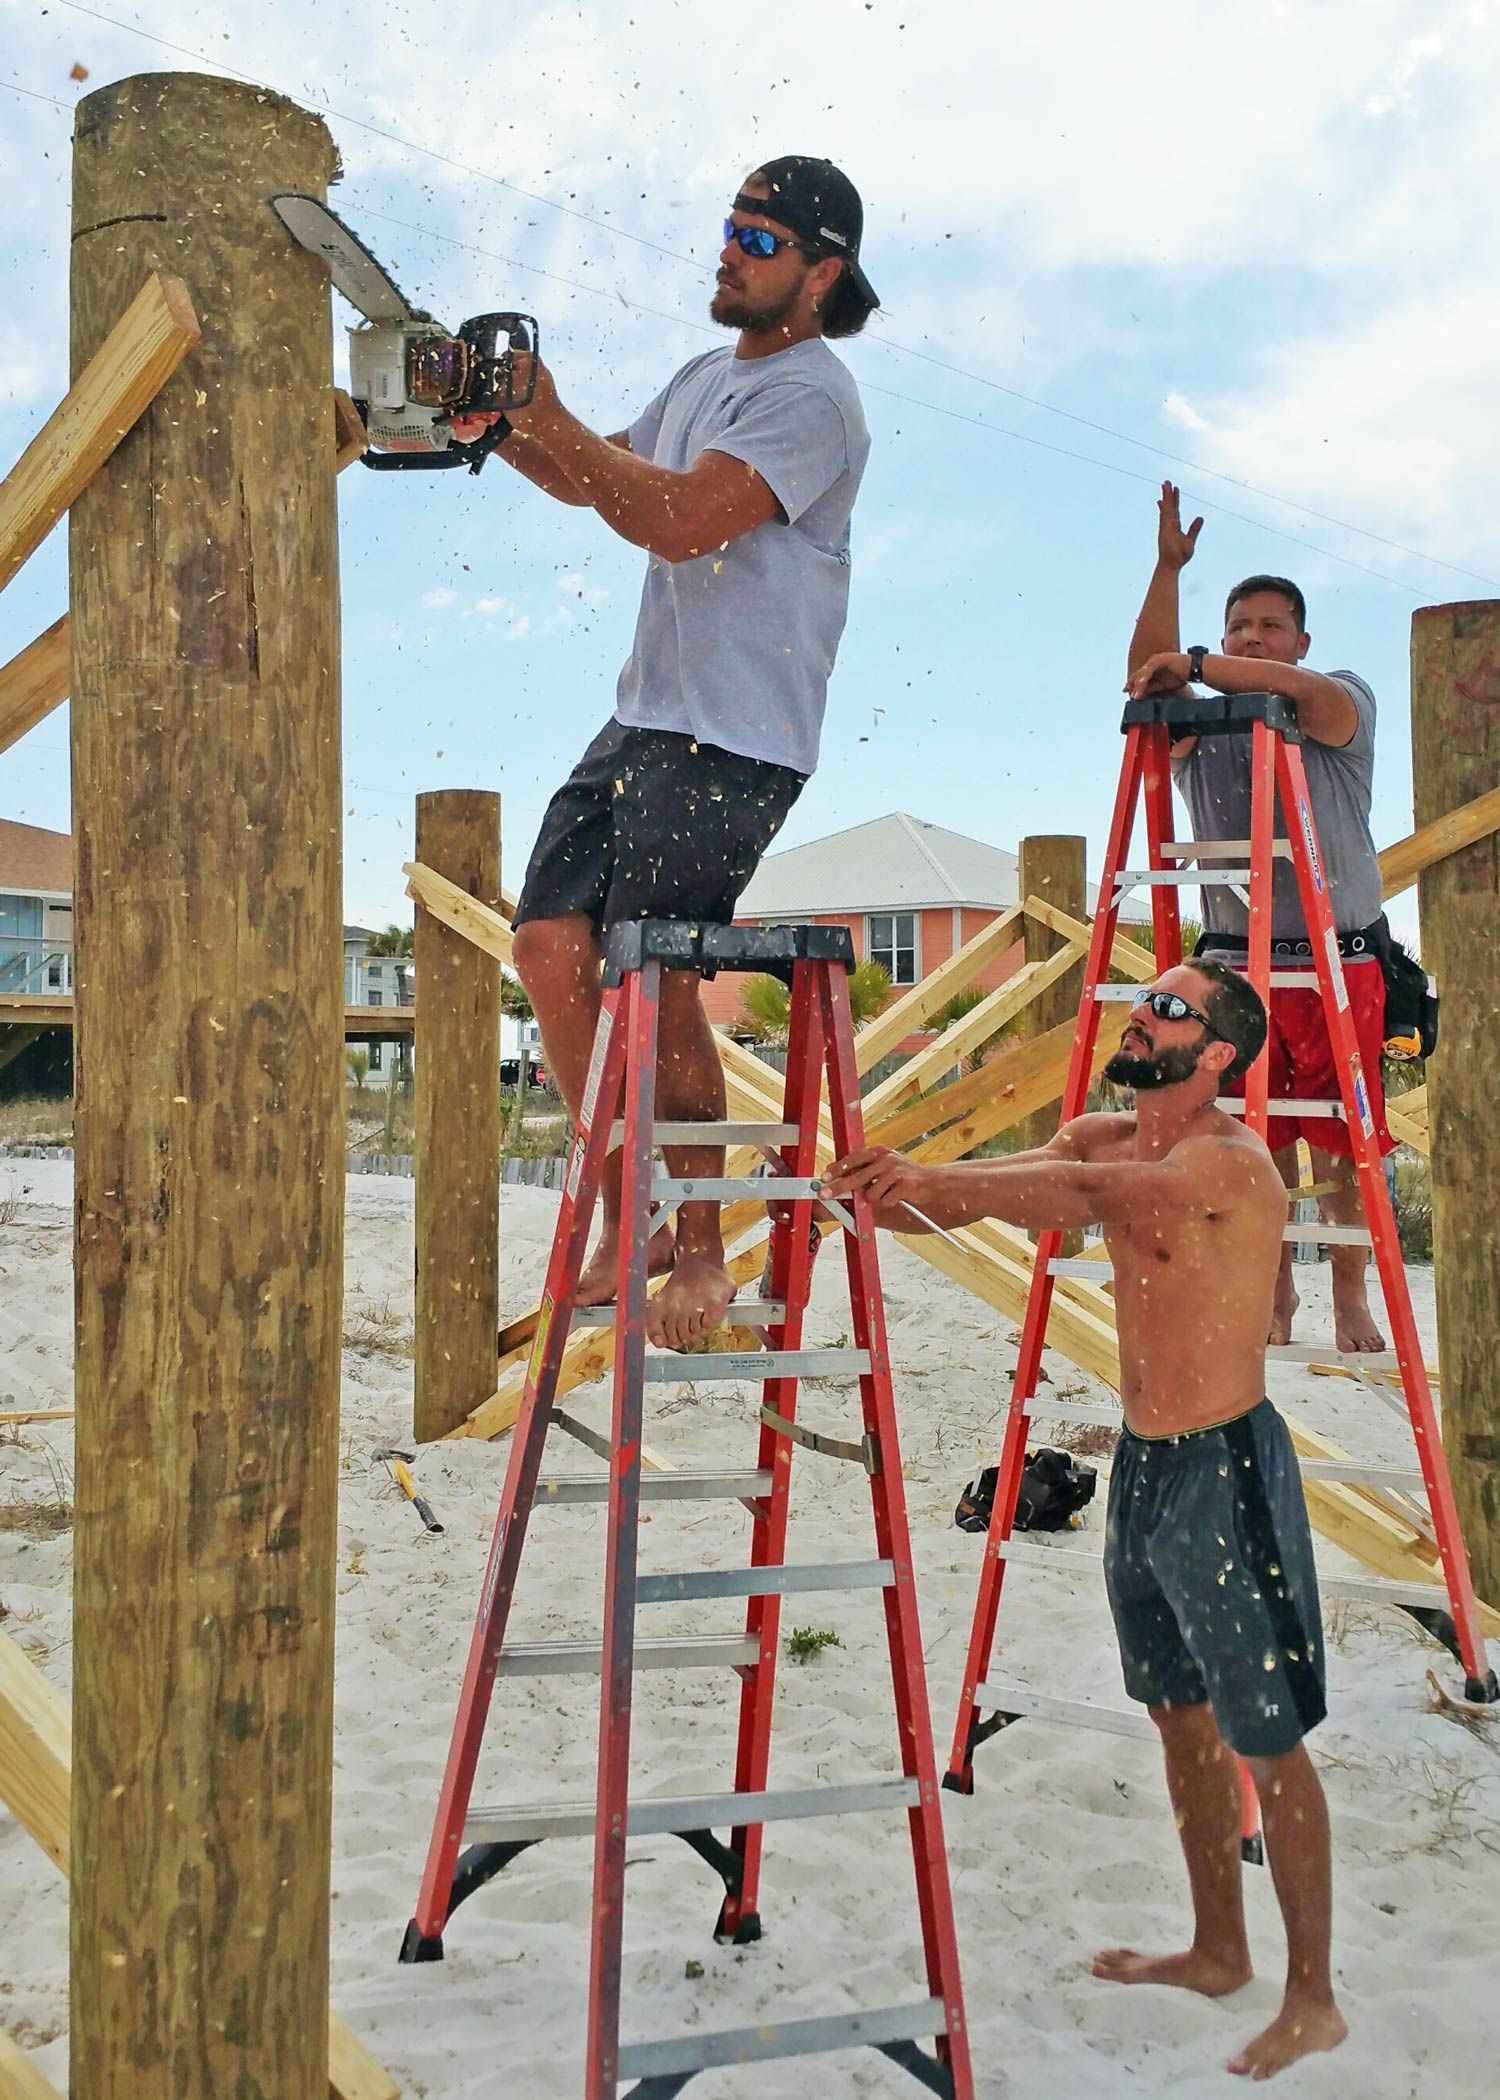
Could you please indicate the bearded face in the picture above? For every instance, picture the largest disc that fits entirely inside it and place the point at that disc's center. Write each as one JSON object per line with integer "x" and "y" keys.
{"x": 1168, "y": 1067}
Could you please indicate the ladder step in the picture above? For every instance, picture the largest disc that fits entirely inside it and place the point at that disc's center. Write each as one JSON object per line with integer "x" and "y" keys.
{"x": 530, "y": 1820}
{"x": 1220, "y": 849}
{"x": 1406, "y": 1478}
{"x": 1371, "y": 1590}
{"x": 1051, "y": 1706}
{"x": 1073, "y": 1411}
{"x": 1168, "y": 878}
{"x": 743, "y": 1312}
{"x": 763, "y": 1188}
{"x": 1329, "y": 1235}
{"x": 741, "y": 2045}
{"x": 562, "y": 1488}
{"x": 1287, "y": 1105}
{"x": 1075, "y": 1265}
{"x": 779, "y": 1581}
{"x": 1280, "y": 981}
{"x": 582, "y": 1658}
{"x": 671, "y": 1367}
{"x": 715, "y": 1134}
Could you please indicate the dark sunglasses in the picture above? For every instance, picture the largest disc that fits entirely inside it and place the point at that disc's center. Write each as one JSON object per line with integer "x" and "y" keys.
{"x": 1168, "y": 1006}
{"x": 755, "y": 240}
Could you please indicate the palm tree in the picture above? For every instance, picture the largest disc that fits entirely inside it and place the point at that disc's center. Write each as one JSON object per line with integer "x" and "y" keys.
{"x": 513, "y": 999}
{"x": 766, "y": 1003}
{"x": 395, "y": 941}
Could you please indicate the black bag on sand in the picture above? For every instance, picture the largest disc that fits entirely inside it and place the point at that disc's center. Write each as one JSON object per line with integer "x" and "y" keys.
{"x": 1054, "y": 1487}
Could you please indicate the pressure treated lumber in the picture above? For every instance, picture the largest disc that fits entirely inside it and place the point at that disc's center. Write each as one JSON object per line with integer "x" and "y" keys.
{"x": 19, "y": 2077}
{"x": 152, "y": 333}
{"x": 1455, "y": 731}
{"x": 33, "y": 683}
{"x": 34, "y": 1783}
{"x": 1403, "y": 863}
{"x": 476, "y": 921}
{"x": 1051, "y": 869}
{"x": 457, "y": 1116}
{"x": 209, "y": 1128}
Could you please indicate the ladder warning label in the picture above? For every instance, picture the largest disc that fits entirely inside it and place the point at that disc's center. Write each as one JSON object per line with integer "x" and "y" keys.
{"x": 539, "y": 1346}
{"x": 596, "y": 1070}
{"x": 1310, "y": 841}
{"x": 1336, "y": 968}
{"x": 1361, "y": 1097}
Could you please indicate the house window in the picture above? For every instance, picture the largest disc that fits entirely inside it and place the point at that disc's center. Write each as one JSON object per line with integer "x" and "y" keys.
{"x": 378, "y": 998}
{"x": 891, "y": 940}
{"x": 377, "y": 1051}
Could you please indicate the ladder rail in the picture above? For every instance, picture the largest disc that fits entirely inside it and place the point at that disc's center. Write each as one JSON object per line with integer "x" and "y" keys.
{"x": 642, "y": 1002}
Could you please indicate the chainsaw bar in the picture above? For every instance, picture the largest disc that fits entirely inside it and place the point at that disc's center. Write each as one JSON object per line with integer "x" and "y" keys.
{"x": 364, "y": 282}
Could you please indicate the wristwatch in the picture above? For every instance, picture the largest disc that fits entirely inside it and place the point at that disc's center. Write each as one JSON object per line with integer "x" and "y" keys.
{"x": 1195, "y": 658}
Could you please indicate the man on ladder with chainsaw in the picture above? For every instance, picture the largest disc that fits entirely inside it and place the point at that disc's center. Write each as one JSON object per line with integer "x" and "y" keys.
{"x": 1262, "y": 651}
{"x": 738, "y": 481}
{"x": 1208, "y": 1553}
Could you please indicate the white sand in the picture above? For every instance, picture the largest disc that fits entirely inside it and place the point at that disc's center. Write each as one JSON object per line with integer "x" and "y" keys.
{"x": 1066, "y": 1845}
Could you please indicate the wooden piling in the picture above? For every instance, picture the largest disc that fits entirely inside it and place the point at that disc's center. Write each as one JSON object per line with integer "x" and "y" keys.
{"x": 209, "y": 1175}
{"x": 1455, "y": 723}
{"x": 457, "y": 1122}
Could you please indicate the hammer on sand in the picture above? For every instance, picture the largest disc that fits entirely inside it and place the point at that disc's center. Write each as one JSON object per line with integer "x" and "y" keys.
{"x": 399, "y": 1464}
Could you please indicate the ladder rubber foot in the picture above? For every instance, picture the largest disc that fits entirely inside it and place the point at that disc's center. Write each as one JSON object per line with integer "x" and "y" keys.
{"x": 744, "y": 1934}
{"x": 1253, "y": 1851}
{"x": 417, "y": 1946}
{"x": 1483, "y": 1691}
{"x": 959, "y": 1782}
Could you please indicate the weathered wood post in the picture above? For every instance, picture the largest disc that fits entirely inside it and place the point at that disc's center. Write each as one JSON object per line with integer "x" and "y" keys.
{"x": 1052, "y": 868}
{"x": 1455, "y": 735}
{"x": 457, "y": 1122}
{"x": 209, "y": 1177}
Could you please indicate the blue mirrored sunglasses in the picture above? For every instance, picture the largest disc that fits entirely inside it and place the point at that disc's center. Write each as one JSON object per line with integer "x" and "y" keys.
{"x": 755, "y": 240}
{"x": 1168, "y": 1006}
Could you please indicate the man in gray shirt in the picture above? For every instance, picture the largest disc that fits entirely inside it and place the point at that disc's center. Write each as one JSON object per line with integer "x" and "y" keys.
{"x": 738, "y": 480}
{"x": 1265, "y": 641}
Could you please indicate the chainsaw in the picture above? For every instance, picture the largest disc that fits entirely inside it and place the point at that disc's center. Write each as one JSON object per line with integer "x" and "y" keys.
{"x": 408, "y": 375}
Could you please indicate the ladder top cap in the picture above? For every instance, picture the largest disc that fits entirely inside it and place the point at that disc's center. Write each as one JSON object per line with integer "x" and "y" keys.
{"x": 693, "y": 944}
{"x": 1214, "y": 714}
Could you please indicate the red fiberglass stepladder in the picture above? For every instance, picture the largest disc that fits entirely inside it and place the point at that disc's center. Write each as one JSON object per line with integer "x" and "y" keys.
{"x": 1278, "y": 781}
{"x": 621, "y": 1085}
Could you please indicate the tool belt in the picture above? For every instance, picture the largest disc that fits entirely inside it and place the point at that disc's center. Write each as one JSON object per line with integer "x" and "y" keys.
{"x": 1411, "y": 1005}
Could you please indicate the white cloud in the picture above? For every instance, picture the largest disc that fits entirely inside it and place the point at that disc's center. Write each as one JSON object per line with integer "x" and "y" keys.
{"x": 438, "y": 600}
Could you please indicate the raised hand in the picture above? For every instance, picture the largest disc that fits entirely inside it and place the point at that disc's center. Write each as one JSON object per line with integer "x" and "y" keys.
{"x": 1174, "y": 547}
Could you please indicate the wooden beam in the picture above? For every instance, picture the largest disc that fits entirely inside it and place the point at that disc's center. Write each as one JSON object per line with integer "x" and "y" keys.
{"x": 127, "y": 371}
{"x": 19, "y": 2077}
{"x": 351, "y": 440}
{"x": 456, "y": 1115}
{"x": 1455, "y": 748}
{"x": 35, "y": 1777}
{"x": 18, "y": 1417}
{"x": 879, "y": 1037}
{"x": 33, "y": 683}
{"x": 1052, "y": 870}
{"x": 1127, "y": 956}
{"x": 1401, "y": 864}
{"x": 209, "y": 1132}
{"x": 477, "y": 921}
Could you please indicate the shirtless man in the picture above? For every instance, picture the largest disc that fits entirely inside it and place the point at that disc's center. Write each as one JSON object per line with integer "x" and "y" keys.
{"x": 1208, "y": 1557}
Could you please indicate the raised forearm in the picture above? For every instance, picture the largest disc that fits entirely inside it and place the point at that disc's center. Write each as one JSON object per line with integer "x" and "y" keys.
{"x": 643, "y": 503}
{"x": 535, "y": 464}
{"x": 1156, "y": 627}
{"x": 1032, "y": 1190}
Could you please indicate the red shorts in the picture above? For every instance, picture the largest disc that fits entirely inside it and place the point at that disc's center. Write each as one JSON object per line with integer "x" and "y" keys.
{"x": 1301, "y": 1061}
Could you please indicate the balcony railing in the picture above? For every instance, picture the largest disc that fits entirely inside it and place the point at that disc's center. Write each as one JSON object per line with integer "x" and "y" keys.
{"x": 34, "y": 967}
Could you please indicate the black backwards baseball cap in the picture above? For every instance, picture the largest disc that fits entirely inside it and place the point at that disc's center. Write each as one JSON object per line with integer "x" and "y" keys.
{"x": 816, "y": 201}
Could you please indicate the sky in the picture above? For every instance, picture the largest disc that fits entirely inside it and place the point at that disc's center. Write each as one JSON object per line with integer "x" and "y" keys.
{"x": 1253, "y": 249}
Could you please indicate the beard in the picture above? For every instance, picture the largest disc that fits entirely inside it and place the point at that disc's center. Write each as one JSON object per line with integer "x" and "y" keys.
{"x": 1143, "y": 1075}
{"x": 731, "y": 310}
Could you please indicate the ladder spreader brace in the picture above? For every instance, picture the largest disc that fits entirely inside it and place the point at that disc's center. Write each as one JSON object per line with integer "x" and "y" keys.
{"x": 1278, "y": 776}
{"x": 469, "y": 1846}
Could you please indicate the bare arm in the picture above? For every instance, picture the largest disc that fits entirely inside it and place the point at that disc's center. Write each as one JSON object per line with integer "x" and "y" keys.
{"x": 1156, "y": 627}
{"x": 1050, "y": 1188}
{"x": 673, "y": 515}
{"x": 1324, "y": 708}
{"x": 530, "y": 458}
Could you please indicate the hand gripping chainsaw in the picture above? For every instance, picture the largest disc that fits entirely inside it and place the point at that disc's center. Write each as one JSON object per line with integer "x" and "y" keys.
{"x": 409, "y": 377}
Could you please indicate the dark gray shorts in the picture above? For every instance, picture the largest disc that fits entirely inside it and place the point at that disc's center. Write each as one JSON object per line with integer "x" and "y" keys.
{"x": 1209, "y": 1565}
{"x": 651, "y": 824}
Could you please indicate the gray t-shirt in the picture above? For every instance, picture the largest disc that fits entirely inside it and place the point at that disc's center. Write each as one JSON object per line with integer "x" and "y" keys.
{"x": 735, "y": 646}
{"x": 1214, "y": 780}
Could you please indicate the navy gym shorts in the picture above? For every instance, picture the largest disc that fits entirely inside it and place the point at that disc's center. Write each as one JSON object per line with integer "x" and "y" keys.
{"x": 651, "y": 824}
{"x": 1209, "y": 1566}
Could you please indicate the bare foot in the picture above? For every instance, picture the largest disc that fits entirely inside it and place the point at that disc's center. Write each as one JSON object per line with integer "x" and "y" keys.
{"x": 1301, "y": 2028}
{"x": 596, "y": 1286}
{"x": 1211, "y": 1975}
{"x": 1354, "y": 1324}
{"x": 693, "y": 1304}
{"x": 1282, "y": 1314}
